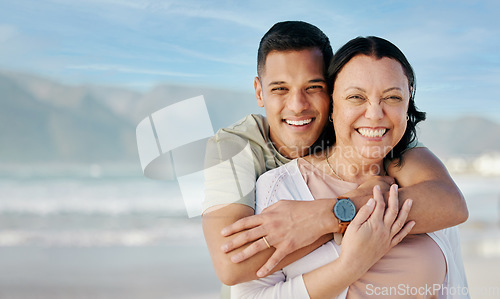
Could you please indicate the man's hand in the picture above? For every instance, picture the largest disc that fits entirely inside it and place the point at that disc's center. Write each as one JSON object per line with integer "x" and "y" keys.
{"x": 360, "y": 195}
{"x": 287, "y": 225}
{"x": 384, "y": 183}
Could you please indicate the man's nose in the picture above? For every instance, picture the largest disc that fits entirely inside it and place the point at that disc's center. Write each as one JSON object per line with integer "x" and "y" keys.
{"x": 298, "y": 102}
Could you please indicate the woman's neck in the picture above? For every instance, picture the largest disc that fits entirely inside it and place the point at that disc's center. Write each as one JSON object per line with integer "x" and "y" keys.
{"x": 350, "y": 166}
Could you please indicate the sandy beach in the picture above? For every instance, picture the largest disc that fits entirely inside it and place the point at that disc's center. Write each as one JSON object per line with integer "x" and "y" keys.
{"x": 115, "y": 272}
{"x": 171, "y": 271}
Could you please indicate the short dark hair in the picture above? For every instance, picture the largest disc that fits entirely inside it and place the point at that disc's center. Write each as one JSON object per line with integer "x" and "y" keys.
{"x": 379, "y": 48}
{"x": 293, "y": 36}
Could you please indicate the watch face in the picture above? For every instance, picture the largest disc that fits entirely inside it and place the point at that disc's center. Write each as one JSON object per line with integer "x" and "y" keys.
{"x": 344, "y": 209}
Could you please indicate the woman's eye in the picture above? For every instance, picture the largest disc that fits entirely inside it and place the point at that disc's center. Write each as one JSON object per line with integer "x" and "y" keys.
{"x": 356, "y": 98}
{"x": 393, "y": 99}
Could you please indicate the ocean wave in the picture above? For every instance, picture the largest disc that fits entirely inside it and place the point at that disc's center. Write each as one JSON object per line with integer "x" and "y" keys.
{"x": 109, "y": 206}
{"x": 161, "y": 235}
{"x": 113, "y": 197}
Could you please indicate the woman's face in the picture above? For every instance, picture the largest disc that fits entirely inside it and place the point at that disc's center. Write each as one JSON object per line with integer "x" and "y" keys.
{"x": 370, "y": 102}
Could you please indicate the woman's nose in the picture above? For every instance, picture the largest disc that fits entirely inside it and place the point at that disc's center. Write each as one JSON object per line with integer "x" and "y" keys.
{"x": 374, "y": 110}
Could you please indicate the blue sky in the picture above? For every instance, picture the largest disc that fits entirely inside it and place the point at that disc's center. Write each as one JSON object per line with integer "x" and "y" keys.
{"x": 454, "y": 46}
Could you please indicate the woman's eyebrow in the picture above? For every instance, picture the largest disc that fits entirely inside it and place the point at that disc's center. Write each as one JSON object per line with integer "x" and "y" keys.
{"x": 355, "y": 87}
{"x": 392, "y": 88}
{"x": 361, "y": 89}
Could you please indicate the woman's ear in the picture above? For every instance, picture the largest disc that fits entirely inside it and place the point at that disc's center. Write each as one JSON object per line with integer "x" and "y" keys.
{"x": 258, "y": 92}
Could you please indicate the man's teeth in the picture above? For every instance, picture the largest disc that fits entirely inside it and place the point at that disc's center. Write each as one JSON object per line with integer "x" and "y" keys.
{"x": 372, "y": 133}
{"x": 298, "y": 122}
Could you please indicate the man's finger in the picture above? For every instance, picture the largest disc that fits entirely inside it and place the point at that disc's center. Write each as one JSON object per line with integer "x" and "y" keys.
{"x": 271, "y": 263}
{"x": 242, "y": 224}
{"x": 388, "y": 179}
{"x": 250, "y": 251}
{"x": 243, "y": 238}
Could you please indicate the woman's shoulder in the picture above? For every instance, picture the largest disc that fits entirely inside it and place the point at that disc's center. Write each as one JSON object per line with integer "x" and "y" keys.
{"x": 284, "y": 182}
{"x": 281, "y": 172}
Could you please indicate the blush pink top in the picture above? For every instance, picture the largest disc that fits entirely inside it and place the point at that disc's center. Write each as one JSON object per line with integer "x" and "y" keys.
{"x": 410, "y": 269}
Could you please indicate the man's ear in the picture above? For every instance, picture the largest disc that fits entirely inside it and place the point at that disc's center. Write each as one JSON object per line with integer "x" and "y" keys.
{"x": 258, "y": 91}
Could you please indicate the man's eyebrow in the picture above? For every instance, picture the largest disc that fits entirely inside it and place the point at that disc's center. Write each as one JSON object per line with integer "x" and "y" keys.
{"x": 276, "y": 83}
{"x": 319, "y": 80}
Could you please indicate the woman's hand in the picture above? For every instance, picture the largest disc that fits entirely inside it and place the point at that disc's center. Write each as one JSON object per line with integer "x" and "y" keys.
{"x": 375, "y": 230}
{"x": 368, "y": 237}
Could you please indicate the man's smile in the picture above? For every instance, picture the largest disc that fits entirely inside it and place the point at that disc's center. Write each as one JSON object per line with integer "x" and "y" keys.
{"x": 302, "y": 122}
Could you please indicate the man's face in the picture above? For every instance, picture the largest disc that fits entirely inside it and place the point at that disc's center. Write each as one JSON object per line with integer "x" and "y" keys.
{"x": 293, "y": 91}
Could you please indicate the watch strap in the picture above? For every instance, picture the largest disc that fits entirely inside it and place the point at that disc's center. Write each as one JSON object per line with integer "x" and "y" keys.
{"x": 343, "y": 226}
{"x": 338, "y": 238}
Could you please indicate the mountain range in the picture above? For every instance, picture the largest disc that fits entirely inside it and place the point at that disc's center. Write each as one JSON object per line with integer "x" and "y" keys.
{"x": 42, "y": 120}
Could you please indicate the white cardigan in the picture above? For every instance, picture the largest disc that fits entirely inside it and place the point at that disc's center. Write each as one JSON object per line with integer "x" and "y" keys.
{"x": 286, "y": 182}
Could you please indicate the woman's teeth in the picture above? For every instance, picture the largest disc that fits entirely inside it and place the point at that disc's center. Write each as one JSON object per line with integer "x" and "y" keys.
{"x": 298, "y": 122}
{"x": 371, "y": 132}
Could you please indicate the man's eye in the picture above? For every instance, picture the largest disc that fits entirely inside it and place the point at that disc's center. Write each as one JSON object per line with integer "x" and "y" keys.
{"x": 314, "y": 88}
{"x": 279, "y": 90}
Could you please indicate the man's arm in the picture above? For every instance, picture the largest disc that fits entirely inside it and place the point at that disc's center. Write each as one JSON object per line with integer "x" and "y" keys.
{"x": 228, "y": 272}
{"x": 437, "y": 203}
{"x": 230, "y": 175}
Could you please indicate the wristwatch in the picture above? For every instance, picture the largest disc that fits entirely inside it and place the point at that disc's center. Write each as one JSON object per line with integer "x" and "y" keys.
{"x": 345, "y": 211}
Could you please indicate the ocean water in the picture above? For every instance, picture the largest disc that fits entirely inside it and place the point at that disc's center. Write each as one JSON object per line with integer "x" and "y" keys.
{"x": 135, "y": 211}
{"x": 86, "y": 212}
{"x": 482, "y": 194}
{"x": 130, "y": 237}
{"x": 64, "y": 236}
